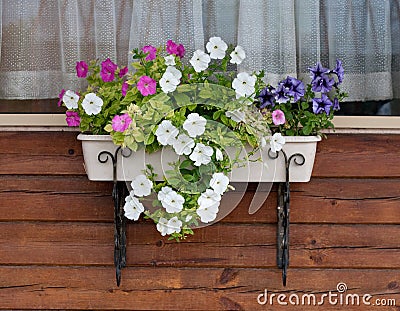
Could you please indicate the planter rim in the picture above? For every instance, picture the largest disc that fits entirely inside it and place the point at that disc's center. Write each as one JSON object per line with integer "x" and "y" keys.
{"x": 294, "y": 139}
{"x": 105, "y": 137}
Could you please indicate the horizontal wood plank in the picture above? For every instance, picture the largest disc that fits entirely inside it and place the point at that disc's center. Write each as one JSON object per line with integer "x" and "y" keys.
{"x": 332, "y": 200}
{"x": 340, "y": 246}
{"x": 358, "y": 156}
{"x": 187, "y": 288}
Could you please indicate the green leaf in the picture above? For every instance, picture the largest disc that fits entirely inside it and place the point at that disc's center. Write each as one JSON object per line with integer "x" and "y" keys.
{"x": 182, "y": 99}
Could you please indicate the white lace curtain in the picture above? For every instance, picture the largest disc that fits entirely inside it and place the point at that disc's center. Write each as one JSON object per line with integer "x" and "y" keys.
{"x": 41, "y": 40}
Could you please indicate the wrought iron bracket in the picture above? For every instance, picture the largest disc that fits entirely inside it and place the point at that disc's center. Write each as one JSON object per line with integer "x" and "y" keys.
{"x": 283, "y": 211}
{"x": 118, "y": 194}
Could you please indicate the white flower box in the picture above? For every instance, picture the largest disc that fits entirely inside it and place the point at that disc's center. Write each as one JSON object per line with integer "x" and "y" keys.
{"x": 267, "y": 170}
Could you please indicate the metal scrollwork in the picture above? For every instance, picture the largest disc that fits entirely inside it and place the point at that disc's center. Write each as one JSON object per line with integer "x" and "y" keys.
{"x": 118, "y": 194}
{"x": 284, "y": 211}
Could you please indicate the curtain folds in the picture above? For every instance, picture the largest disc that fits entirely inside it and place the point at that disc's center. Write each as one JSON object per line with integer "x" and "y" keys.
{"x": 41, "y": 40}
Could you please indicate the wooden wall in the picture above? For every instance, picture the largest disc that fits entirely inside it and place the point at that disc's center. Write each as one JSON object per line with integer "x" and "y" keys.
{"x": 56, "y": 235}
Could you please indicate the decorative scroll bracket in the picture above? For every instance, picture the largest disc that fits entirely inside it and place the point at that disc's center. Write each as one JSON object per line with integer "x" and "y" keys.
{"x": 118, "y": 194}
{"x": 283, "y": 211}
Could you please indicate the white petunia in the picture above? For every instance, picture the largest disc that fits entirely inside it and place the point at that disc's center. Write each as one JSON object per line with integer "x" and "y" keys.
{"x": 218, "y": 155}
{"x": 170, "y": 60}
{"x": 141, "y": 186}
{"x": 168, "y": 82}
{"x": 216, "y": 47}
{"x": 208, "y": 214}
{"x": 173, "y": 202}
{"x": 92, "y": 104}
{"x": 277, "y": 141}
{"x": 164, "y": 191}
{"x": 208, "y": 198}
{"x": 70, "y": 99}
{"x": 166, "y": 133}
{"x": 219, "y": 183}
{"x": 209, "y": 202}
{"x": 162, "y": 226}
{"x": 133, "y": 208}
{"x": 200, "y": 60}
{"x": 236, "y": 115}
{"x": 244, "y": 84}
{"x": 188, "y": 218}
{"x": 174, "y": 225}
{"x": 165, "y": 226}
{"x": 177, "y": 74}
{"x": 201, "y": 154}
{"x": 183, "y": 144}
{"x": 237, "y": 55}
{"x": 195, "y": 124}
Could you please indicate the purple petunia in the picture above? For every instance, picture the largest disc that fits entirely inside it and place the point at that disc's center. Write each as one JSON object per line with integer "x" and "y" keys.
{"x": 339, "y": 71}
{"x": 151, "y": 50}
{"x": 121, "y": 123}
{"x": 146, "y": 85}
{"x": 81, "y": 69}
{"x": 294, "y": 88}
{"x": 281, "y": 95}
{"x": 266, "y": 97}
{"x": 322, "y": 84}
{"x": 108, "y": 69}
{"x": 72, "y": 118}
{"x": 336, "y": 106}
{"x": 322, "y": 104}
{"x": 317, "y": 71}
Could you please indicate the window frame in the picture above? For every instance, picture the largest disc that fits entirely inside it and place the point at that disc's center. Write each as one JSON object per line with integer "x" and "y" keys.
{"x": 55, "y": 121}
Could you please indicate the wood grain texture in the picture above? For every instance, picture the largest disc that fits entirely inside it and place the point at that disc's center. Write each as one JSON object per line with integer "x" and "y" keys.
{"x": 56, "y": 235}
{"x": 80, "y": 288}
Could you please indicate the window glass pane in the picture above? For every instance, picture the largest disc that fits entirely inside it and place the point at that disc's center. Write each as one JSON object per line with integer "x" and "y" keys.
{"x": 41, "y": 40}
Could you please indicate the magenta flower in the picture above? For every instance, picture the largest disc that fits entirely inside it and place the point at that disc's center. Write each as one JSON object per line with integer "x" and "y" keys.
{"x": 108, "y": 69}
{"x": 146, "y": 85}
{"x": 60, "y": 97}
{"x": 81, "y": 69}
{"x": 180, "y": 51}
{"x": 124, "y": 88}
{"x": 108, "y": 65}
{"x": 175, "y": 49}
{"x": 72, "y": 118}
{"x": 278, "y": 117}
{"x": 151, "y": 50}
{"x": 121, "y": 123}
{"x": 123, "y": 72}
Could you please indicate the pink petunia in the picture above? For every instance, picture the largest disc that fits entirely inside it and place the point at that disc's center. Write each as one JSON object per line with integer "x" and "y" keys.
{"x": 108, "y": 69}
{"x": 172, "y": 47}
{"x": 81, "y": 69}
{"x": 175, "y": 49}
{"x": 180, "y": 51}
{"x": 108, "y": 65}
{"x": 124, "y": 88}
{"x": 151, "y": 50}
{"x": 60, "y": 97}
{"x": 121, "y": 123}
{"x": 146, "y": 86}
{"x": 72, "y": 118}
{"x": 278, "y": 117}
{"x": 123, "y": 72}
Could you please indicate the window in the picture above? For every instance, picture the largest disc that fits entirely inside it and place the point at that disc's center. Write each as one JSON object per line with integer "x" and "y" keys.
{"x": 41, "y": 40}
